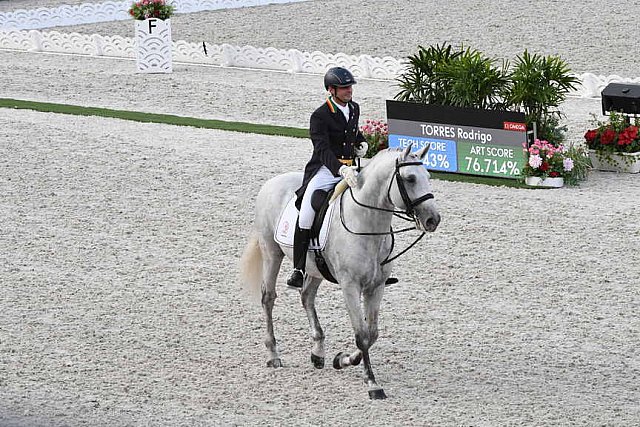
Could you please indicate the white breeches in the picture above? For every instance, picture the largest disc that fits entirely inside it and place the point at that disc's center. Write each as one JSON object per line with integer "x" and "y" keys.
{"x": 322, "y": 180}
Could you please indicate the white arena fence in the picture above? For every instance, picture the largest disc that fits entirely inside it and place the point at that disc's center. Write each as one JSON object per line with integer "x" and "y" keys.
{"x": 291, "y": 60}
{"x": 18, "y": 31}
{"x": 224, "y": 55}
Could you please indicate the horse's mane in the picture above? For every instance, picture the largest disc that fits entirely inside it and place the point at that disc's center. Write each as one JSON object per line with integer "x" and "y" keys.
{"x": 385, "y": 155}
{"x": 378, "y": 163}
{"x": 383, "y": 163}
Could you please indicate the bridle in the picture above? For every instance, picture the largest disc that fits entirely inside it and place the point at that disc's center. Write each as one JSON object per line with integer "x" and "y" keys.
{"x": 407, "y": 215}
{"x": 408, "y": 203}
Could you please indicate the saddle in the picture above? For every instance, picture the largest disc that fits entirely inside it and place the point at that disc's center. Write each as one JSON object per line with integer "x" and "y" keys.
{"x": 320, "y": 201}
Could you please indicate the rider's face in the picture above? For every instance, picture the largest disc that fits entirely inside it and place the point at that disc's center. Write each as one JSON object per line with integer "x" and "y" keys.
{"x": 343, "y": 94}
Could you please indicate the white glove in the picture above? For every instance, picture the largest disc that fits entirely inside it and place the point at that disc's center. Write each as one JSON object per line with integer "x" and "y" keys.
{"x": 364, "y": 147}
{"x": 349, "y": 174}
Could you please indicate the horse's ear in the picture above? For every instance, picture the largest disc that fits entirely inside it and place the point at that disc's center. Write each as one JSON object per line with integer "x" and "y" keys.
{"x": 422, "y": 154}
{"x": 406, "y": 152}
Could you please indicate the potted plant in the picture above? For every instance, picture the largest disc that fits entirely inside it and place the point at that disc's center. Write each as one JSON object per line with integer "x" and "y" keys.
{"x": 550, "y": 166}
{"x": 539, "y": 85}
{"x": 376, "y": 132}
{"x": 465, "y": 77}
{"x": 146, "y": 9}
{"x": 153, "y": 35}
{"x": 614, "y": 145}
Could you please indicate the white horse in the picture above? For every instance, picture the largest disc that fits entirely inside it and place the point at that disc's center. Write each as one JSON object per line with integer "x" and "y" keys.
{"x": 359, "y": 244}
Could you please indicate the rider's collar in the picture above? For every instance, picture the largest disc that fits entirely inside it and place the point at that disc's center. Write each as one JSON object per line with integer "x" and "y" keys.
{"x": 333, "y": 107}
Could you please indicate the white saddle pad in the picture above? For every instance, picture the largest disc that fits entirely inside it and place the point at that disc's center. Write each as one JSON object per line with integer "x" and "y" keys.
{"x": 287, "y": 226}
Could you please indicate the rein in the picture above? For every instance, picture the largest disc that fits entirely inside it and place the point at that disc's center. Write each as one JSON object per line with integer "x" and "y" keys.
{"x": 407, "y": 215}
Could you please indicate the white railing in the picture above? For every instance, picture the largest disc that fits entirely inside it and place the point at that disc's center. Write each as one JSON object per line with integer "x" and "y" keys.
{"x": 225, "y": 55}
{"x": 291, "y": 60}
{"x": 91, "y": 13}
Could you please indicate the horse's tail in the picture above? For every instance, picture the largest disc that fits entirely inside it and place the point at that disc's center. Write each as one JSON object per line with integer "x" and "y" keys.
{"x": 251, "y": 269}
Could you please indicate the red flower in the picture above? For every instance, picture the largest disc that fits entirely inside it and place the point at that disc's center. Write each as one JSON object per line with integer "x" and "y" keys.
{"x": 627, "y": 136}
{"x": 590, "y": 136}
{"x": 554, "y": 174}
{"x": 608, "y": 136}
{"x": 544, "y": 167}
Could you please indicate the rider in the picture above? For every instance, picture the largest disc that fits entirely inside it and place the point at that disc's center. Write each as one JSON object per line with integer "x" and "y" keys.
{"x": 336, "y": 140}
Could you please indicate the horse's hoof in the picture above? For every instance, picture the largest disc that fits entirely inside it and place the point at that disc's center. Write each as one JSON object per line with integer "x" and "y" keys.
{"x": 318, "y": 362}
{"x": 275, "y": 363}
{"x": 357, "y": 360}
{"x": 336, "y": 360}
{"x": 377, "y": 394}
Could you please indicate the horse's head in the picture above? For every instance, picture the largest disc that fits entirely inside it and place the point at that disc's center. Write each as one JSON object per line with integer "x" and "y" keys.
{"x": 410, "y": 189}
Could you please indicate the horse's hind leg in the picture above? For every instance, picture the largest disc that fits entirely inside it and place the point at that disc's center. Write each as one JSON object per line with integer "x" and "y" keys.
{"x": 270, "y": 267}
{"x": 308, "y": 297}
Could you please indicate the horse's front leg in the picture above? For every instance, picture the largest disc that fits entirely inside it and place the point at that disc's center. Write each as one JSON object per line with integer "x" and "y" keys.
{"x": 366, "y": 333}
{"x": 372, "y": 299}
{"x": 308, "y": 297}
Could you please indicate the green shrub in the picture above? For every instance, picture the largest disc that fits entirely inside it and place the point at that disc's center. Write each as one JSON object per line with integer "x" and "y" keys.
{"x": 472, "y": 80}
{"x": 421, "y": 82}
{"x": 538, "y": 86}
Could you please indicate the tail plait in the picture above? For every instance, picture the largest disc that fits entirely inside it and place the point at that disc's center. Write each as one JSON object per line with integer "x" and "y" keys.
{"x": 251, "y": 269}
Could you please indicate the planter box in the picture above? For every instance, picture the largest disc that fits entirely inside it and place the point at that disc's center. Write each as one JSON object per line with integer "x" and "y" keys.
{"x": 622, "y": 162}
{"x": 536, "y": 181}
{"x": 153, "y": 45}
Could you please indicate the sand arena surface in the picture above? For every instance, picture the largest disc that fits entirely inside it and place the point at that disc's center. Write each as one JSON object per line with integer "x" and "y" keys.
{"x": 119, "y": 251}
{"x": 120, "y": 306}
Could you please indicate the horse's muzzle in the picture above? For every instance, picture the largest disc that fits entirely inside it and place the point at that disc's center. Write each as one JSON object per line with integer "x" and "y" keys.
{"x": 428, "y": 222}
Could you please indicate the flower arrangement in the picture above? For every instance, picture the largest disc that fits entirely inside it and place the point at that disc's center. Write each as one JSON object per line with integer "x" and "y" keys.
{"x": 376, "y": 132}
{"x": 546, "y": 160}
{"x": 617, "y": 135}
{"x": 615, "y": 144}
{"x": 145, "y": 9}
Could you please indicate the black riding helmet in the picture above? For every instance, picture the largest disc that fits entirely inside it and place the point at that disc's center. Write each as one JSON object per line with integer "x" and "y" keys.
{"x": 338, "y": 76}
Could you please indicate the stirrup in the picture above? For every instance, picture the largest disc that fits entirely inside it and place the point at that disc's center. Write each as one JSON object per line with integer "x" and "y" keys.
{"x": 296, "y": 280}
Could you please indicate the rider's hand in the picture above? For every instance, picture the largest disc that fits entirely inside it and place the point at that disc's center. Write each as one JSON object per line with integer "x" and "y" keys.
{"x": 349, "y": 174}
{"x": 362, "y": 150}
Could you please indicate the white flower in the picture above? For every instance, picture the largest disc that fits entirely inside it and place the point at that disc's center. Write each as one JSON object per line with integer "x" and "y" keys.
{"x": 535, "y": 161}
{"x": 568, "y": 164}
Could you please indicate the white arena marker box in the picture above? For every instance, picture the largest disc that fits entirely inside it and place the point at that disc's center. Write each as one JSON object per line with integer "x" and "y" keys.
{"x": 153, "y": 45}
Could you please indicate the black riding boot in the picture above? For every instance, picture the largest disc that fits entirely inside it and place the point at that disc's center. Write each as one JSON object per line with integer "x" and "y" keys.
{"x": 300, "y": 247}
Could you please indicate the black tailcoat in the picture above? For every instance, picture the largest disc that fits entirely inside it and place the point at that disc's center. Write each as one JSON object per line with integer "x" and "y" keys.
{"x": 333, "y": 138}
